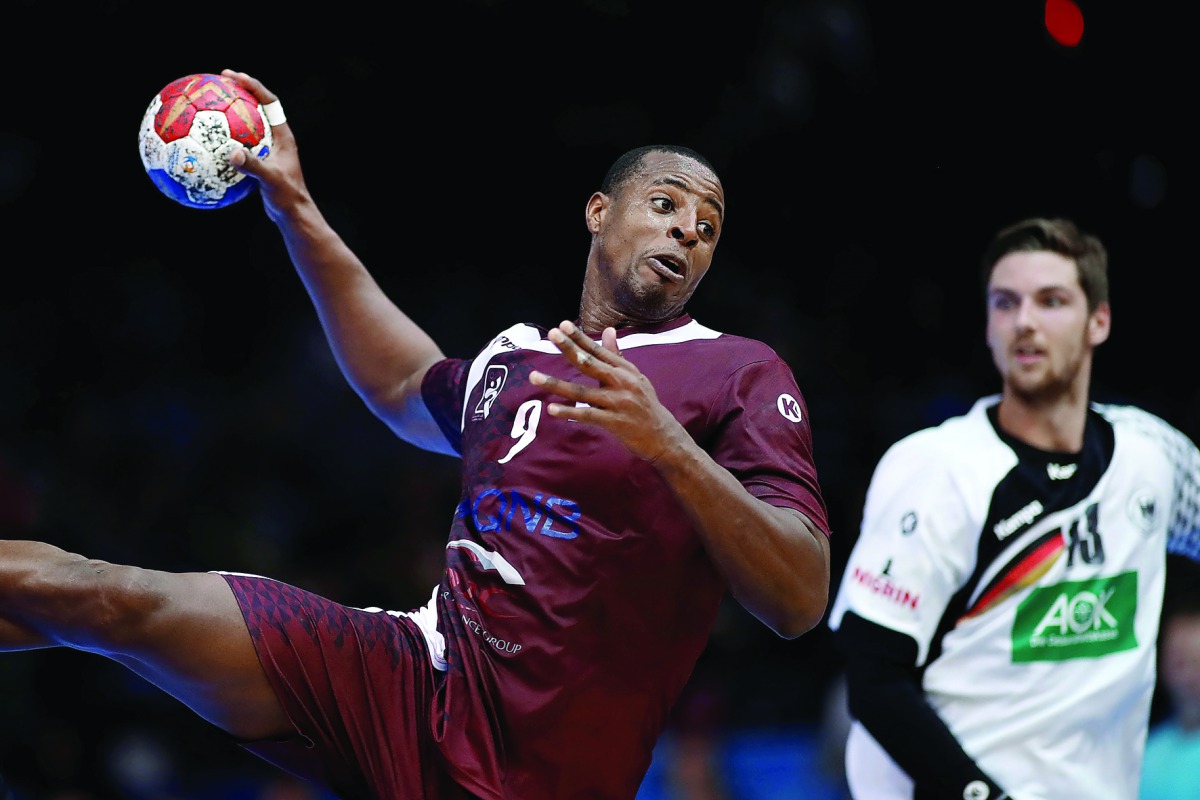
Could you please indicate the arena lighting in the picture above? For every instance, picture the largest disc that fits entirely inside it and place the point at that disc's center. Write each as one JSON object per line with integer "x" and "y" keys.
{"x": 1064, "y": 21}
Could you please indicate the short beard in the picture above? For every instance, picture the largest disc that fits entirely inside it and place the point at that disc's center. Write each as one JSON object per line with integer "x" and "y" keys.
{"x": 1043, "y": 393}
{"x": 643, "y": 303}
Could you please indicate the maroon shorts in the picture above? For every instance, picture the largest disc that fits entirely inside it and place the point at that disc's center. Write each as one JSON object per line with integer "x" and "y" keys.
{"x": 357, "y": 685}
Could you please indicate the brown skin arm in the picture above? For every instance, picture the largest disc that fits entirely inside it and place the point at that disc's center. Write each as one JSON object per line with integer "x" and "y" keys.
{"x": 775, "y": 560}
{"x": 382, "y": 353}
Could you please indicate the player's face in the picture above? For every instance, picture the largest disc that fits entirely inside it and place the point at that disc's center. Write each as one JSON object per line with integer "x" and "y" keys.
{"x": 654, "y": 239}
{"x": 1038, "y": 326}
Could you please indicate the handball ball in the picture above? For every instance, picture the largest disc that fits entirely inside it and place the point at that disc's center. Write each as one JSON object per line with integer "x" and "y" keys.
{"x": 188, "y": 133}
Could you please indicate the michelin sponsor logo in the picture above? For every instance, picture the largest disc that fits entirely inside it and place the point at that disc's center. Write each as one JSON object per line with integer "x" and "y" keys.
{"x": 883, "y": 586}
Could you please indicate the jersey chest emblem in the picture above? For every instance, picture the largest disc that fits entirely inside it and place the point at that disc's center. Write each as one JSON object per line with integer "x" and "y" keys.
{"x": 493, "y": 382}
{"x": 1077, "y": 619}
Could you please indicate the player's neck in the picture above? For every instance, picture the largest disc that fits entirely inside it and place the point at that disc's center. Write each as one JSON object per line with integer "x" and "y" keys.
{"x": 1053, "y": 424}
{"x": 597, "y": 310}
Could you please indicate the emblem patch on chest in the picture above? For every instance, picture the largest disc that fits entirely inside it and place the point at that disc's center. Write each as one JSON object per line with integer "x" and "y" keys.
{"x": 492, "y": 384}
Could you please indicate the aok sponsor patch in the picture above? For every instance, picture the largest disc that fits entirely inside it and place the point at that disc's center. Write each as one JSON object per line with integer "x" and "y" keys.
{"x": 1077, "y": 619}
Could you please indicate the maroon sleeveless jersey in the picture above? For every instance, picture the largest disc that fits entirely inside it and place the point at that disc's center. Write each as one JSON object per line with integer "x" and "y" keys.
{"x": 577, "y": 595}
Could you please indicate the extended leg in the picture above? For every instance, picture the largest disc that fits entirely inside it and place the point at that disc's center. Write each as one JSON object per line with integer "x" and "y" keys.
{"x": 182, "y": 632}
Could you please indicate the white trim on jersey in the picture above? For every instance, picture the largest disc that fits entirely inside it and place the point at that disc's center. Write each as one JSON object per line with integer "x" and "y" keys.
{"x": 684, "y": 333}
{"x": 519, "y": 336}
{"x": 490, "y": 559}
{"x": 426, "y": 619}
{"x": 523, "y": 336}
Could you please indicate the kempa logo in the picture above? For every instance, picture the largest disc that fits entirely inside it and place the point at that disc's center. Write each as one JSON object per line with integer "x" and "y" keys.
{"x": 1077, "y": 619}
{"x": 1007, "y": 527}
{"x": 788, "y": 407}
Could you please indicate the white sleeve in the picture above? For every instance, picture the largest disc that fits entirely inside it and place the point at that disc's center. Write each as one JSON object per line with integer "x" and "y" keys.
{"x": 1184, "y": 527}
{"x": 917, "y": 544}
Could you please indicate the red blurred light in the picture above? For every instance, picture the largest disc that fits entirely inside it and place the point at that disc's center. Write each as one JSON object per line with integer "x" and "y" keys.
{"x": 1064, "y": 21}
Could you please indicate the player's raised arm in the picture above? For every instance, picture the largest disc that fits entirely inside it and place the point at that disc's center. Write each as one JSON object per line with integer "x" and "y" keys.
{"x": 381, "y": 351}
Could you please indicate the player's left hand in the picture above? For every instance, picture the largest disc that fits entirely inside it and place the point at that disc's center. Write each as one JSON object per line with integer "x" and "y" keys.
{"x": 624, "y": 403}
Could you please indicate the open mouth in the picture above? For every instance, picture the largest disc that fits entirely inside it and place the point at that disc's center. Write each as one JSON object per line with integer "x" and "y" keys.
{"x": 1027, "y": 353}
{"x": 669, "y": 266}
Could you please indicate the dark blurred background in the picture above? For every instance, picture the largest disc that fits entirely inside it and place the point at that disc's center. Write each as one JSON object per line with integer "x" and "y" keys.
{"x": 167, "y": 397}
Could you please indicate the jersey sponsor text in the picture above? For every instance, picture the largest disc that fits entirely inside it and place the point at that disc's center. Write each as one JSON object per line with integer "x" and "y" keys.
{"x": 1077, "y": 619}
{"x": 496, "y": 509}
{"x": 882, "y": 586}
{"x": 1007, "y": 527}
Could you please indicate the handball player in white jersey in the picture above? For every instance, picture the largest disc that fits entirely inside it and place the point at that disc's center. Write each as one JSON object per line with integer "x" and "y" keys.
{"x": 621, "y": 472}
{"x": 1000, "y": 608}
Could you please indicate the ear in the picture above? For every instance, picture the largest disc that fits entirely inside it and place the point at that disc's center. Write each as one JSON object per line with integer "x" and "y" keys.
{"x": 1099, "y": 324}
{"x": 597, "y": 204}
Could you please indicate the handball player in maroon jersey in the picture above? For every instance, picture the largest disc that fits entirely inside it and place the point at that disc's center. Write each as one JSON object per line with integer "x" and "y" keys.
{"x": 621, "y": 472}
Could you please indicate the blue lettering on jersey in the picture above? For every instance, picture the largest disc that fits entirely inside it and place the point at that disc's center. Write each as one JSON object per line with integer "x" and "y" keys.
{"x": 496, "y": 509}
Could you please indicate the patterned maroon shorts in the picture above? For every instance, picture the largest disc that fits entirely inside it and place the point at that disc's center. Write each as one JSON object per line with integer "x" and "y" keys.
{"x": 358, "y": 685}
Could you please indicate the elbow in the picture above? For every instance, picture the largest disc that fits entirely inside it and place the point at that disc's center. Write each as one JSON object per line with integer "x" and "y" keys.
{"x": 805, "y": 607}
{"x": 798, "y": 624}
{"x": 805, "y": 590}
{"x": 791, "y": 631}
{"x": 790, "y": 595}
{"x": 798, "y": 618}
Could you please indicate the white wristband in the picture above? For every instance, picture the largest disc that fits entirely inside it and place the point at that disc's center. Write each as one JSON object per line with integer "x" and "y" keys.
{"x": 273, "y": 111}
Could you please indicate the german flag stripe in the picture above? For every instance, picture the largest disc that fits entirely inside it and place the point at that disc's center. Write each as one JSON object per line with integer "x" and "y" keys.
{"x": 1029, "y": 565}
